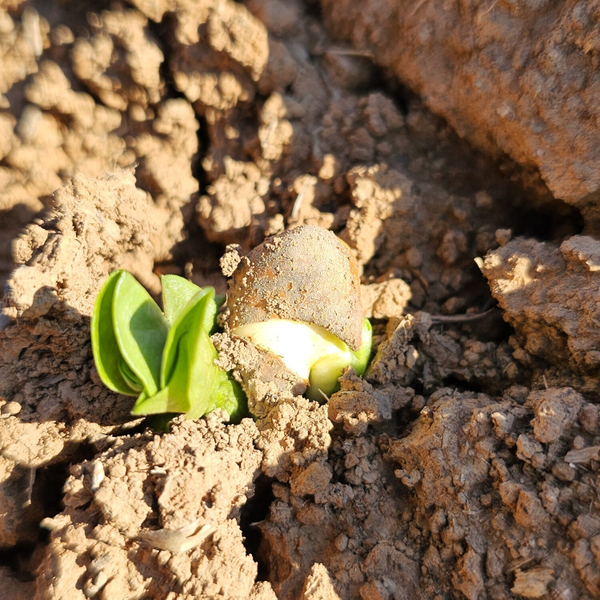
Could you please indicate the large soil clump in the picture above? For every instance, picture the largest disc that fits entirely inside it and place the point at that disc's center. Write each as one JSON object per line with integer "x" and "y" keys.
{"x": 513, "y": 77}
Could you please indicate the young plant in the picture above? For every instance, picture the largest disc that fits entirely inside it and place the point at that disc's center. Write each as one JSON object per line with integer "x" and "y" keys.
{"x": 298, "y": 296}
{"x": 166, "y": 360}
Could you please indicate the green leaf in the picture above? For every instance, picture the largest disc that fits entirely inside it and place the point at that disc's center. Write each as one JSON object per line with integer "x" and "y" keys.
{"x": 209, "y": 316}
{"x": 140, "y": 329}
{"x": 129, "y": 376}
{"x": 107, "y": 355}
{"x": 361, "y": 357}
{"x": 176, "y": 293}
{"x": 183, "y": 324}
{"x": 194, "y": 384}
{"x": 204, "y": 376}
{"x": 163, "y": 401}
{"x": 231, "y": 398}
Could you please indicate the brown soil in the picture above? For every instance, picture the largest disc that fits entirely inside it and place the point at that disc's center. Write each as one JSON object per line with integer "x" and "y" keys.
{"x": 148, "y": 135}
{"x": 513, "y": 76}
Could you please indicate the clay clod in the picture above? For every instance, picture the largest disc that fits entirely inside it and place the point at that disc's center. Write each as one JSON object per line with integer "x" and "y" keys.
{"x": 303, "y": 274}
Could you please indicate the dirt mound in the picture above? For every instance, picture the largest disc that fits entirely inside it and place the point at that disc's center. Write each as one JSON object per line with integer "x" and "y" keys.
{"x": 130, "y": 528}
{"x": 549, "y": 295}
{"x": 463, "y": 465}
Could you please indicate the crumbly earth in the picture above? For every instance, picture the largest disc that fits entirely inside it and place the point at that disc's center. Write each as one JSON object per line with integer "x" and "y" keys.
{"x": 151, "y": 134}
{"x": 514, "y": 77}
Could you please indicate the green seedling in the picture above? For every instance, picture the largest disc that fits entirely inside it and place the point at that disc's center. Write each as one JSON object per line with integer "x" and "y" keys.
{"x": 188, "y": 367}
{"x": 167, "y": 360}
{"x": 296, "y": 295}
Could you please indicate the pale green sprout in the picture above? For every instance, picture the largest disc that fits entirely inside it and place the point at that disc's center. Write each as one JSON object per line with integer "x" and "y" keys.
{"x": 310, "y": 351}
{"x": 297, "y": 295}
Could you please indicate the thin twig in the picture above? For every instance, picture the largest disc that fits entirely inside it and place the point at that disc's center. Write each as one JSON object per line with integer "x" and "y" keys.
{"x": 32, "y": 472}
{"x": 350, "y": 52}
{"x": 461, "y": 318}
{"x": 421, "y": 279}
{"x": 324, "y": 395}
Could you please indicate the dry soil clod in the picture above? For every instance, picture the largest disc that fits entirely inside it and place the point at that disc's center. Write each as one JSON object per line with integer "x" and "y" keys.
{"x": 303, "y": 274}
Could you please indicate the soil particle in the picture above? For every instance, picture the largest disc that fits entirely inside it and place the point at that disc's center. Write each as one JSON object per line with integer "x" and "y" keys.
{"x": 554, "y": 321}
{"x": 377, "y": 195}
{"x": 230, "y": 260}
{"x": 120, "y": 62}
{"x": 219, "y": 51}
{"x": 318, "y": 585}
{"x": 358, "y": 404}
{"x": 220, "y": 212}
{"x": 165, "y": 151}
{"x": 532, "y": 583}
{"x": 386, "y": 299}
{"x": 293, "y": 435}
{"x": 555, "y": 412}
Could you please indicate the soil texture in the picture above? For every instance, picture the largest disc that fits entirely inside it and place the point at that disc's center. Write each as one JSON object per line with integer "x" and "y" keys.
{"x": 174, "y": 136}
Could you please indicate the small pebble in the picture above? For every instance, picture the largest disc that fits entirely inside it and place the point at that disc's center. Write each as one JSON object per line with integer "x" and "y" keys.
{"x": 341, "y": 542}
{"x": 503, "y": 236}
{"x": 11, "y": 408}
{"x": 97, "y": 475}
{"x": 486, "y": 500}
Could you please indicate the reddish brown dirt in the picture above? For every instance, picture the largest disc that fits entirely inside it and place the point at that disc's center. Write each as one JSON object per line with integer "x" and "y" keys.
{"x": 149, "y": 134}
{"x": 516, "y": 77}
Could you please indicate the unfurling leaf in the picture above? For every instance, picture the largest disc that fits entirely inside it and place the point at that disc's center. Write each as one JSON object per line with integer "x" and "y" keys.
{"x": 191, "y": 382}
{"x": 168, "y": 360}
{"x": 107, "y": 355}
{"x": 128, "y": 333}
{"x": 140, "y": 329}
{"x": 176, "y": 293}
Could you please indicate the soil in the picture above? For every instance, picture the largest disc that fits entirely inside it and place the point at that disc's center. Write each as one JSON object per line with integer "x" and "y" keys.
{"x": 149, "y": 135}
{"x": 514, "y": 77}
